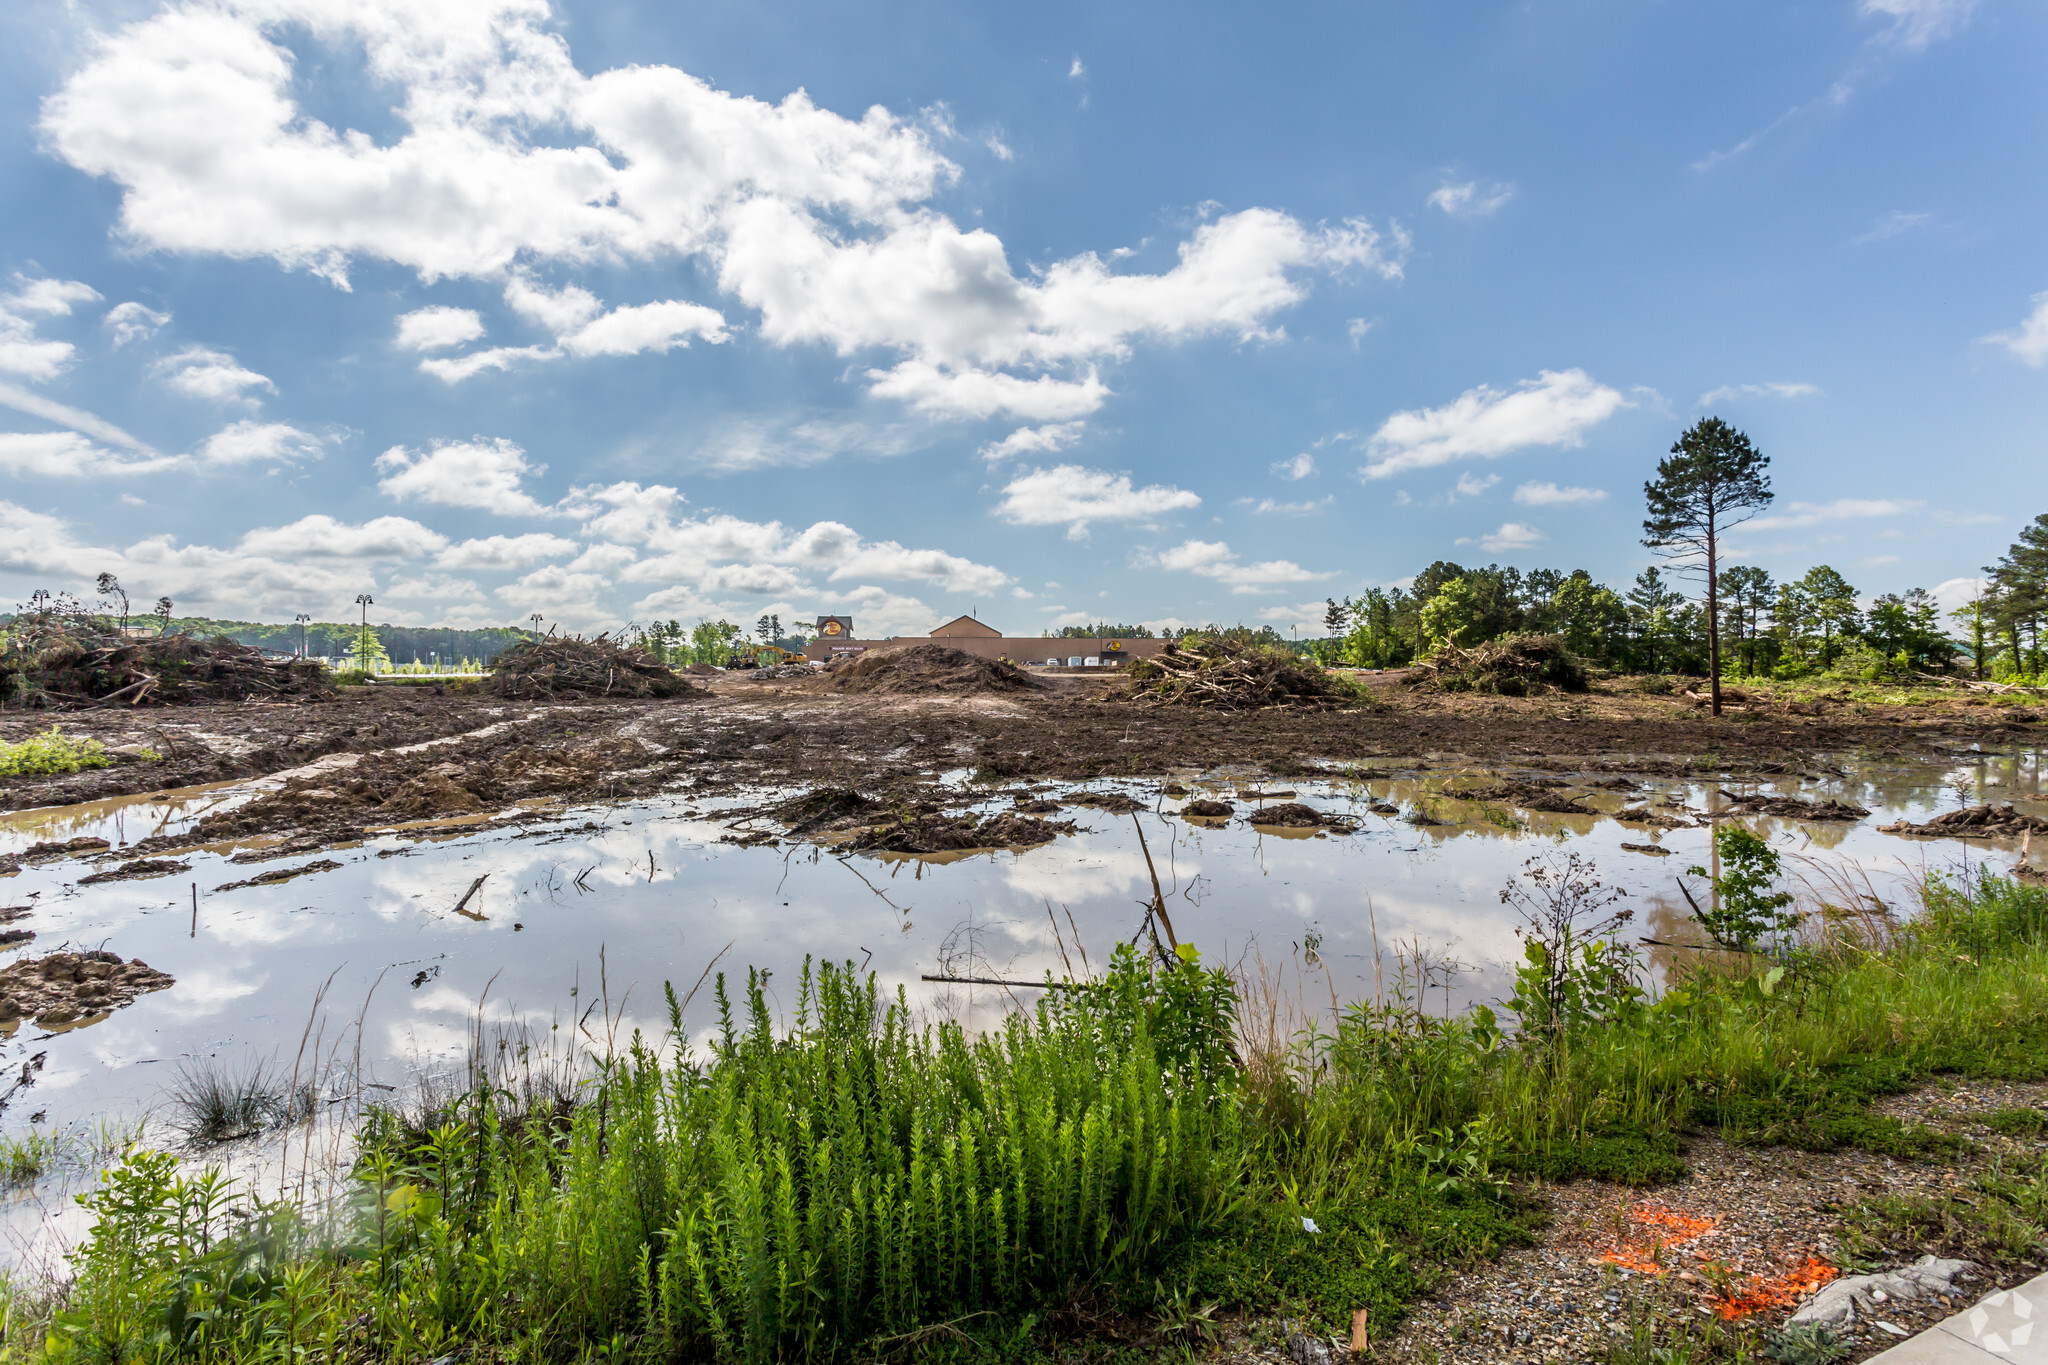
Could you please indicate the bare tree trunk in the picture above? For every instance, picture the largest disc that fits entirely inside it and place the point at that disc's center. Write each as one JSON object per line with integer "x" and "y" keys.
{"x": 1713, "y": 613}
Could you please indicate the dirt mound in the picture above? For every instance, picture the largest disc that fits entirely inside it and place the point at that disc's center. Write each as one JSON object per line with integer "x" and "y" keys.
{"x": 1236, "y": 677}
{"x": 959, "y": 834}
{"x": 1544, "y": 794}
{"x": 571, "y": 666}
{"x": 63, "y": 986}
{"x": 1294, "y": 815}
{"x": 826, "y": 808}
{"x": 1208, "y": 810}
{"x": 1116, "y": 803}
{"x": 136, "y": 870}
{"x": 1513, "y": 666}
{"x": 433, "y": 793}
{"x": 76, "y": 665}
{"x": 1794, "y": 808}
{"x": 925, "y": 670}
{"x": 1975, "y": 822}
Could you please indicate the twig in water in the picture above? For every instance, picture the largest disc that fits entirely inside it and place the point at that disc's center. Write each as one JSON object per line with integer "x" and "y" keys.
{"x": 1158, "y": 897}
{"x": 461, "y": 906}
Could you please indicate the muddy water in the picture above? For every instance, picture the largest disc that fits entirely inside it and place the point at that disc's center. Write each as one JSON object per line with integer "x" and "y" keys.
{"x": 603, "y": 905}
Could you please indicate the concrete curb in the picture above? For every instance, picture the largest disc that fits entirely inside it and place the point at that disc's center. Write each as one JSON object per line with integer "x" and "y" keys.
{"x": 2011, "y": 1326}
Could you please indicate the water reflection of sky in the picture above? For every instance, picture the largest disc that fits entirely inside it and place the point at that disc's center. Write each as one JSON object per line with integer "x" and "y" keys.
{"x": 573, "y": 916}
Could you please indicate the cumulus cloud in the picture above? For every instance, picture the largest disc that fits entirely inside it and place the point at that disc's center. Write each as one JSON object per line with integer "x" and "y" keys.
{"x": 1471, "y": 199}
{"x": 1264, "y": 506}
{"x": 322, "y": 537}
{"x": 1512, "y": 535}
{"x": 1045, "y": 440}
{"x": 212, "y": 375}
{"x": 1215, "y": 559}
{"x": 1556, "y": 408}
{"x": 23, "y": 352}
{"x": 1072, "y": 496}
{"x": 482, "y": 473}
{"x": 2029, "y": 340}
{"x": 252, "y": 442}
{"x": 438, "y": 328}
{"x": 1768, "y": 390}
{"x": 512, "y": 160}
{"x": 1551, "y": 495}
{"x": 133, "y": 321}
{"x": 1471, "y": 485}
{"x": 1798, "y": 515}
{"x": 1296, "y": 469}
{"x": 53, "y": 298}
{"x": 504, "y": 552}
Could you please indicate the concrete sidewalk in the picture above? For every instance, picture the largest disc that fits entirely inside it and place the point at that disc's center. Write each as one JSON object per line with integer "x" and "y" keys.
{"x": 2006, "y": 1326}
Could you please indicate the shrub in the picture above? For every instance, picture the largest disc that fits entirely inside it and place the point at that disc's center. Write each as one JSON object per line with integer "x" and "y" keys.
{"x": 1745, "y": 908}
{"x": 51, "y": 752}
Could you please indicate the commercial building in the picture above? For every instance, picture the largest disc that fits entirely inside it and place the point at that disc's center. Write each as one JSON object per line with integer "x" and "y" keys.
{"x": 964, "y": 633}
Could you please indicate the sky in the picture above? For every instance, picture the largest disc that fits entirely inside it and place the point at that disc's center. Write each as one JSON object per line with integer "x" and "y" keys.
{"x": 1140, "y": 312}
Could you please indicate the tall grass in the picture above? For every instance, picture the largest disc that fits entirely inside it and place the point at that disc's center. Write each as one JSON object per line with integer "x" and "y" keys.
{"x": 845, "y": 1184}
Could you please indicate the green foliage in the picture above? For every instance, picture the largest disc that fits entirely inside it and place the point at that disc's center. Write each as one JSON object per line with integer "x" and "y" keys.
{"x": 1103, "y": 630}
{"x": 1745, "y": 909}
{"x": 51, "y": 752}
{"x": 2017, "y": 1122}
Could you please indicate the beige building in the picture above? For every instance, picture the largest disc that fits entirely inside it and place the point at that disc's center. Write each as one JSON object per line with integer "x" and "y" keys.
{"x": 970, "y": 636}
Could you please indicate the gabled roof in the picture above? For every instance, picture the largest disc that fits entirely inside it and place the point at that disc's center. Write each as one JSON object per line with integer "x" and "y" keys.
{"x": 967, "y": 625}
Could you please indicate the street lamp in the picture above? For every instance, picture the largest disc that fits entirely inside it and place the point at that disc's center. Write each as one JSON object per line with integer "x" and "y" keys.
{"x": 365, "y": 601}
{"x": 305, "y": 644}
{"x": 535, "y": 618}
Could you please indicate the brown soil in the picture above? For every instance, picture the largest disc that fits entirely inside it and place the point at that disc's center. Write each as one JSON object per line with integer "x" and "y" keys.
{"x": 281, "y": 874}
{"x": 1794, "y": 808}
{"x": 924, "y": 671}
{"x": 1543, "y": 793}
{"x": 136, "y": 869}
{"x": 341, "y": 761}
{"x": 943, "y": 834}
{"x": 65, "y": 986}
{"x": 1209, "y": 810}
{"x": 1975, "y": 822}
{"x": 1291, "y": 815}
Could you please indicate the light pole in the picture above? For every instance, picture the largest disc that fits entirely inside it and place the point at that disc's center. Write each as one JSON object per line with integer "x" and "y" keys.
{"x": 535, "y": 618}
{"x": 365, "y": 601}
{"x": 305, "y": 643}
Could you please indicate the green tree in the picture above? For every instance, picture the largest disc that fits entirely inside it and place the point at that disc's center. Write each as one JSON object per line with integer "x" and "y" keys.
{"x": 2018, "y": 597}
{"x": 1650, "y": 603}
{"x": 1746, "y": 593}
{"x": 1971, "y": 616}
{"x": 712, "y": 641}
{"x": 366, "y": 653}
{"x": 1452, "y": 616}
{"x": 1592, "y": 620}
{"x": 1907, "y": 631}
{"x": 1830, "y": 610}
{"x": 1713, "y": 480}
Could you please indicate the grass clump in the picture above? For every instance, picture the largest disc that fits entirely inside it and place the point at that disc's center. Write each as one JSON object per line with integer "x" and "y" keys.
{"x": 212, "y": 1101}
{"x": 52, "y": 751}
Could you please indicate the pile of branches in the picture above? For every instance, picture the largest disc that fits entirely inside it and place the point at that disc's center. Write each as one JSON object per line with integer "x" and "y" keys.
{"x": 1975, "y": 822}
{"x": 571, "y": 666}
{"x": 81, "y": 661}
{"x": 1512, "y": 666}
{"x": 1237, "y": 677}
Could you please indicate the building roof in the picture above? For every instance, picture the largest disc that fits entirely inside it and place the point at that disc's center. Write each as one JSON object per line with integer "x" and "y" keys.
{"x": 967, "y": 625}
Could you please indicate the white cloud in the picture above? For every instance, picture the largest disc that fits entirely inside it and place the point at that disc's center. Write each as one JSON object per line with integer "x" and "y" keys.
{"x": 322, "y": 537}
{"x": 435, "y": 588}
{"x": 454, "y": 369}
{"x": 1215, "y": 559}
{"x": 212, "y": 375}
{"x": 35, "y": 405}
{"x": 758, "y": 443}
{"x": 1554, "y": 409}
{"x": 998, "y": 148}
{"x": 2029, "y": 340}
{"x": 1471, "y": 485}
{"x": 1264, "y": 506}
{"x": 1076, "y": 71}
{"x": 1073, "y": 496}
{"x": 1045, "y": 440}
{"x": 1550, "y": 495}
{"x": 1916, "y": 23}
{"x": 555, "y": 591}
{"x": 1797, "y": 515}
{"x": 132, "y": 321}
{"x": 504, "y": 552}
{"x": 53, "y": 298}
{"x": 68, "y": 455}
{"x": 1471, "y": 199}
{"x": 1954, "y": 593}
{"x": 511, "y": 161}
{"x": 24, "y": 353}
{"x": 481, "y": 473}
{"x": 1296, "y": 469}
{"x": 1768, "y": 390}
{"x": 437, "y": 328}
{"x": 1892, "y": 224}
{"x": 647, "y": 327}
{"x": 1512, "y": 535}
{"x": 252, "y": 442}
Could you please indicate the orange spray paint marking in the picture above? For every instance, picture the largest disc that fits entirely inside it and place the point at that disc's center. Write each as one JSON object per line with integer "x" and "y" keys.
{"x": 1768, "y": 1291}
{"x": 1666, "y": 1229}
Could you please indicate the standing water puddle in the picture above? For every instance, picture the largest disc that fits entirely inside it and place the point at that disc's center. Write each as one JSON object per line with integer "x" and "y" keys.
{"x": 602, "y": 905}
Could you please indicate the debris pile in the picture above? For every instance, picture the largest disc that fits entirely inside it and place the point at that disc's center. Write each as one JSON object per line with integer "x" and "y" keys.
{"x": 1975, "y": 822}
{"x": 1793, "y": 807}
{"x": 1294, "y": 815}
{"x": 571, "y": 666}
{"x": 1206, "y": 809}
{"x": 1230, "y": 676}
{"x": 1541, "y": 793}
{"x": 1513, "y": 666}
{"x": 925, "y": 670}
{"x": 959, "y": 834}
{"x": 83, "y": 666}
{"x": 65, "y": 986}
{"x": 826, "y": 808}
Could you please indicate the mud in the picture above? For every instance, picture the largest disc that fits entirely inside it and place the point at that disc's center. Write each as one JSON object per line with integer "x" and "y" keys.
{"x": 1793, "y": 807}
{"x": 136, "y": 869}
{"x": 1543, "y": 793}
{"x": 933, "y": 833}
{"x": 281, "y": 874}
{"x": 1291, "y": 815}
{"x": 925, "y": 670}
{"x": 1975, "y": 822}
{"x": 63, "y": 987}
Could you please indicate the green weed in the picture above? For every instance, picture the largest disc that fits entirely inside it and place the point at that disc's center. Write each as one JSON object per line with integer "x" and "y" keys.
{"x": 51, "y": 752}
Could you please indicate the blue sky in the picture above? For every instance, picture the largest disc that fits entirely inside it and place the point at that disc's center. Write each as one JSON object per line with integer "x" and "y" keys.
{"x": 1169, "y": 313}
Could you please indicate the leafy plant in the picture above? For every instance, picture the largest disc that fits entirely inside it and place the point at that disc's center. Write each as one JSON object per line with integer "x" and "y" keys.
{"x": 1745, "y": 909}
{"x": 1573, "y": 971}
{"x": 51, "y": 752}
